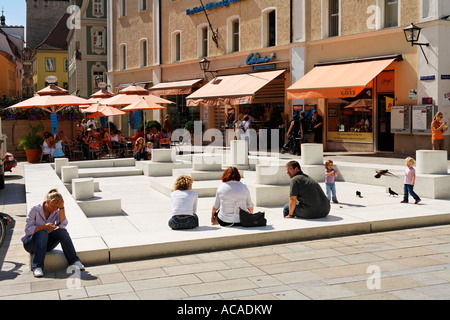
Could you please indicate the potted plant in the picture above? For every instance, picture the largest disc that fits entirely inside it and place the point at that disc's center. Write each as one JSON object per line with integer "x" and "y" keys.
{"x": 32, "y": 143}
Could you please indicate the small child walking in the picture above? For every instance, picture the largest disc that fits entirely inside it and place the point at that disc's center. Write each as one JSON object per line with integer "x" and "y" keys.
{"x": 330, "y": 175}
{"x": 410, "y": 180}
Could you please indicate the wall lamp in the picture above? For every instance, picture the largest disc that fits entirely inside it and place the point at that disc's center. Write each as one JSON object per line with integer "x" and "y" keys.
{"x": 412, "y": 34}
{"x": 204, "y": 65}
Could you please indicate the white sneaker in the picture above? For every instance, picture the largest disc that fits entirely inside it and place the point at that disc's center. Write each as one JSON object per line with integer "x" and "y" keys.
{"x": 38, "y": 273}
{"x": 79, "y": 265}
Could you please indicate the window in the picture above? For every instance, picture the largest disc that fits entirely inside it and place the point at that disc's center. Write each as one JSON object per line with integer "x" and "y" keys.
{"x": 202, "y": 41}
{"x": 269, "y": 29}
{"x": 235, "y": 35}
{"x": 142, "y": 5}
{"x": 98, "y": 7}
{"x": 123, "y": 57}
{"x": 98, "y": 40}
{"x": 429, "y": 10}
{"x": 391, "y": 12}
{"x": 123, "y": 8}
{"x": 143, "y": 50}
{"x": 333, "y": 18}
{"x": 50, "y": 65}
{"x": 66, "y": 65}
{"x": 99, "y": 77}
{"x": 176, "y": 46}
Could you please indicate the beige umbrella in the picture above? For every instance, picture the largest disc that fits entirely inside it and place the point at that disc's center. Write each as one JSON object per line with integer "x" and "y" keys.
{"x": 51, "y": 99}
{"x": 132, "y": 94}
{"x": 106, "y": 111}
{"x": 143, "y": 104}
{"x": 360, "y": 103}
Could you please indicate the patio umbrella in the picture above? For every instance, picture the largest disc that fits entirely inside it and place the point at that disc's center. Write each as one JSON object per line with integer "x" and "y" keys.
{"x": 51, "y": 99}
{"x": 143, "y": 104}
{"x": 106, "y": 111}
{"x": 97, "y": 97}
{"x": 132, "y": 94}
{"x": 360, "y": 103}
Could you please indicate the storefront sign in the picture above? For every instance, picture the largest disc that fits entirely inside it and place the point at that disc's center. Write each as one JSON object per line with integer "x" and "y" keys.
{"x": 255, "y": 58}
{"x": 427, "y": 78}
{"x": 211, "y": 5}
{"x": 445, "y": 77}
{"x": 350, "y": 137}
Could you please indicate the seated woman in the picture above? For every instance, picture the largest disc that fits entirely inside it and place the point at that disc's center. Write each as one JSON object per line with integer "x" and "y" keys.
{"x": 59, "y": 153}
{"x": 45, "y": 228}
{"x": 139, "y": 151}
{"x": 49, "y": 145}
{"x": 115, "y": 143}
{"x": 231, "y": 196}
{"x": 184, "y": 205}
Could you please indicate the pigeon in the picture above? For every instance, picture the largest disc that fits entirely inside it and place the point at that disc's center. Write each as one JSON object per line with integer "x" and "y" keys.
{"x": 392, "y": 193}
{"x": 358, "y": 194}
{"x": 383, "y": 173}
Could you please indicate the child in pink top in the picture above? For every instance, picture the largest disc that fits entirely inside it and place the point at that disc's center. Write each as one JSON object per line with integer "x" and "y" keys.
{"x": 410, "y": 180}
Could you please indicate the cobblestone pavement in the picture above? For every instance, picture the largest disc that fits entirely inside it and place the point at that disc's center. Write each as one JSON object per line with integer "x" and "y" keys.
{"x": 405, "y": 264}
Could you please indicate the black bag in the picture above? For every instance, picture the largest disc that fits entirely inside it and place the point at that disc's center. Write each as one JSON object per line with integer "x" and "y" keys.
{"x": 252, "y": 220}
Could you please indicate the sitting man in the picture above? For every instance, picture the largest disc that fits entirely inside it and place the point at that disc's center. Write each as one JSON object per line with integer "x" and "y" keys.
{"x": 306, "y": 199}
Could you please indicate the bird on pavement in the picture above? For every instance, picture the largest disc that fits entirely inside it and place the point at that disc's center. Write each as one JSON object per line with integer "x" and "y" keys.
{"x": 358, "y": 194}
{"x": 392, "y": 193}
{"x": 383, "y": 173}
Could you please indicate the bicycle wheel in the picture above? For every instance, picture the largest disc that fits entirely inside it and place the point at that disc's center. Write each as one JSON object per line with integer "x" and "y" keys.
{"x": 2, "y": 230}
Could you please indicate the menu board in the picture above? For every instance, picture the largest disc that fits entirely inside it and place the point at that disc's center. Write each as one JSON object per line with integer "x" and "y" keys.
{"x": 401, "y": 119}
{"x": 422, "y": 117}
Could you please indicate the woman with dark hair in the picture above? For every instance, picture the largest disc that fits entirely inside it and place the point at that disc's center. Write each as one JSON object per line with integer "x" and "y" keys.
{"x": 231, "y": 196}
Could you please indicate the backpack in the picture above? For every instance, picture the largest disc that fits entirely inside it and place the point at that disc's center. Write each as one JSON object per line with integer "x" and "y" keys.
{"x": 308, "y": 125}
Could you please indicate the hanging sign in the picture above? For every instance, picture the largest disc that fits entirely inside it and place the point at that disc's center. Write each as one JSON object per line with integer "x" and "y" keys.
{"x": 54, "y": 123}
{"x": 211, "y": 5}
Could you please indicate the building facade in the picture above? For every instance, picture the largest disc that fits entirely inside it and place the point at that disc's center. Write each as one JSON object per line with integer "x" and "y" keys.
{"x": 87, "y": 46}
{"x": 161, "y": 43}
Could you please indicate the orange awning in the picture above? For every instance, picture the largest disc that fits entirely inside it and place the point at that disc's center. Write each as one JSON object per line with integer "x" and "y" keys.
{"x": 175, "y": 87}
{"x": 345, "y": 80}
{"x": 237, "y": 89}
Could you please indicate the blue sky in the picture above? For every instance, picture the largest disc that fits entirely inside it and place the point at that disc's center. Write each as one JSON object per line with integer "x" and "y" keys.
{"x": 15, "y": 12}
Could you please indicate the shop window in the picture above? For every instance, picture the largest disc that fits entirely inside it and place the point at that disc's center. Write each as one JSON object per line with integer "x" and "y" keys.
{"x": 351, "y": 120}
{"x": 269, "y": 28}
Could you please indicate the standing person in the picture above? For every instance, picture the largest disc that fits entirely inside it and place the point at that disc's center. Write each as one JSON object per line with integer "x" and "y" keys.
{"x": 45, "y": 228}
{"x": 184, "y": 205}
{"x": 295, "y": 129}
{"x": 410, "y": 181}
{"x": 438, "y": 128}
{"x": 167, "y": 126}
{"x": 231, "y": 196}
{"x": 244, "y": 129}
{"x": 330, "y": 175}
{"x": 306, "y": 198}
{"x": 318, "y": 127}
{"x": 306, "y": 127}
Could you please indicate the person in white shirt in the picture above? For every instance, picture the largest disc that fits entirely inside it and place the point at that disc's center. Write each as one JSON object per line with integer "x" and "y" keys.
{"x": 231, "y": 196}
{"x": 184, "y": 205}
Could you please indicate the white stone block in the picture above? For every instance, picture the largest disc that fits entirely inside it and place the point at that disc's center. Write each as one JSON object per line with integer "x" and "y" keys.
{"x": 60, "y": 162}
{"x": 312, "y": 154}
{"x": 83, "y": 189}
{"x": 431, "y": 162}
{"x": 163, "y": 155}
{"x": 68, "y": 173}
{"x": 272, "y": 175}
{"x": 207, "y": 162}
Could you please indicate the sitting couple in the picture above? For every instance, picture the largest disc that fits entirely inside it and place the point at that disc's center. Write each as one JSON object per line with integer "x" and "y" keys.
{"x": 230, "y": 196}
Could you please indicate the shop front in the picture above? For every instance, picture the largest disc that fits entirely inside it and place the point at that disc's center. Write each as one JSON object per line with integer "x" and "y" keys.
{"x": 354, "y": 97}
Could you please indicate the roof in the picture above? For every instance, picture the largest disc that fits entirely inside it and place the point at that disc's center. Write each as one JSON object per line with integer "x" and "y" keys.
{"x": 57, "y": 38}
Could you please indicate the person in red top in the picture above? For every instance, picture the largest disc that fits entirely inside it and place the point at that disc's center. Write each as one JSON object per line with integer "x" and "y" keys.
{"x": 438, "y": 128}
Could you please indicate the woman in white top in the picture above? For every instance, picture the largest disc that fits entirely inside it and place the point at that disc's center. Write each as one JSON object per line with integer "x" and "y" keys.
{"x": 184, "y": 205}
{"x": 231, "y": 196}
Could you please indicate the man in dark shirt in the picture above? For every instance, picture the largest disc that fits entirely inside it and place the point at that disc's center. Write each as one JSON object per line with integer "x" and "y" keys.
{"x": 306, "y": 199}
{"x": 318, "y": 127}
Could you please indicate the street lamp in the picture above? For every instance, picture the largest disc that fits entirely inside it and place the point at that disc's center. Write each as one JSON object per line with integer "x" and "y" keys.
{"x": 204, "y": 65}
{"x": 412, "y": 35}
